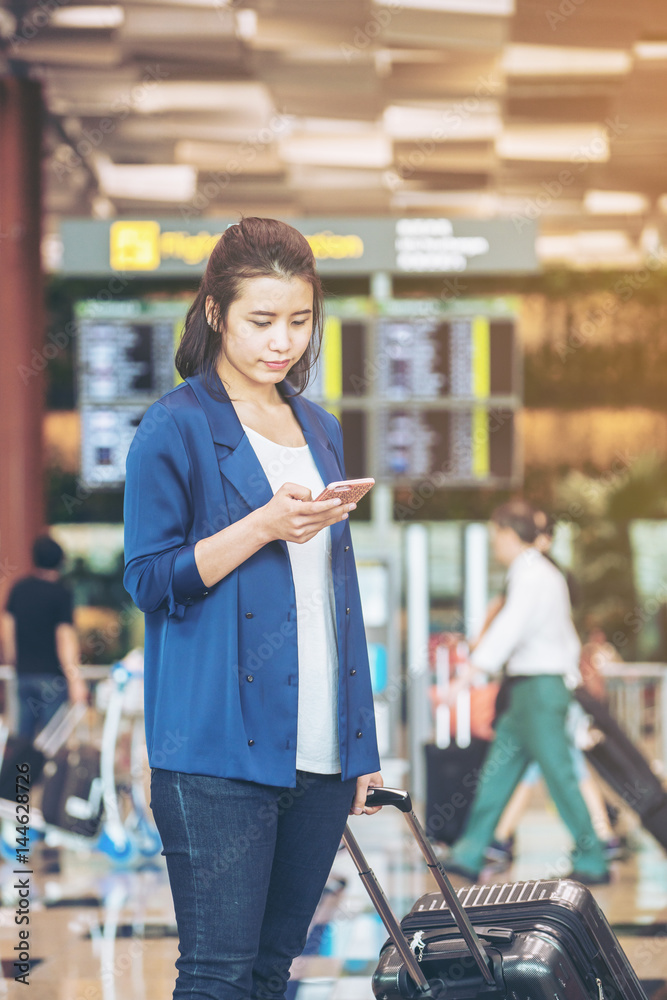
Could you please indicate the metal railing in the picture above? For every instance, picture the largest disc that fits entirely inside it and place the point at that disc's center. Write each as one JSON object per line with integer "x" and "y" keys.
{"x": 637, "y": 694}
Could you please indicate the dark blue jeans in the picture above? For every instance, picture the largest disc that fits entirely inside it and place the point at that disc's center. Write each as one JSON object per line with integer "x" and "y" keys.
{"x": 247, "y": 864}
{"x": 40, "y": 697}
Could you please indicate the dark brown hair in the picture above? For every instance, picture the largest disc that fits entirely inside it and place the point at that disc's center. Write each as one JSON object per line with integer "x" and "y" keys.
{"x": 46, "y": 553}
{"x": 545, "y": 524}
{"x": 519, "y": 516}
{"x": 251, "y": 248}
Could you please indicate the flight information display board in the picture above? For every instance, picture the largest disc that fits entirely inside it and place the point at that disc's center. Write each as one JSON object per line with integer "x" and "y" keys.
{"x": 424, "y": 390}
{"x": 125, "y": 362}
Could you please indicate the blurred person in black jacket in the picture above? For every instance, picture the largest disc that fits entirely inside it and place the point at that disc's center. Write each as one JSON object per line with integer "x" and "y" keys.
{"x": 38, "y": 637}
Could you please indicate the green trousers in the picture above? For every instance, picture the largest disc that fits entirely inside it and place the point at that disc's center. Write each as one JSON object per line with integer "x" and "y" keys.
{"x": 532, "y": 729}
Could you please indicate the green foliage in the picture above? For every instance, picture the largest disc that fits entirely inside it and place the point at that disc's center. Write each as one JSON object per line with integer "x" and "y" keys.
{"x": 618, "y": 375}
{"x": 600, "y": 509}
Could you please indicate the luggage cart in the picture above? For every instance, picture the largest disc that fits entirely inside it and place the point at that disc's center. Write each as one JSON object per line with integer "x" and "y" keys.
{"x": 127, "y": 839}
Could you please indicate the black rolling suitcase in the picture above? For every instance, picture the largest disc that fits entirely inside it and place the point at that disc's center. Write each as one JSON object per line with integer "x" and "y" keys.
{"x": 19, "y": 750}
{"x": 453, "y": 766}
{"x": 544, "y": 940}
{"x": 452, "y": 776}
{"x": 73, "y": 793}
{"x": 625, "y": 769}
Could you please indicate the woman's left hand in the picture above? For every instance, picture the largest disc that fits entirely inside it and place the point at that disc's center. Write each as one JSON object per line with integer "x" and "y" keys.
{"x": 363, "y": 783}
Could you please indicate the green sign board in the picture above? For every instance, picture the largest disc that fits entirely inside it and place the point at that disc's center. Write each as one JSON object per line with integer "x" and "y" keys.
{"x": 344, "y": 246}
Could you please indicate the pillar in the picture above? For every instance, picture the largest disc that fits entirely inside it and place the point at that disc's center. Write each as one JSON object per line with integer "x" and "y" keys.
{"x": 21, "y": 327}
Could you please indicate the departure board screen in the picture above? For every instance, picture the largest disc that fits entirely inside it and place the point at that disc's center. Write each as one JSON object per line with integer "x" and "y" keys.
{"x": 428, "y": 358}
{"x": 106, "y": 436}
{"x": 125, "y": 362}
{"x": 437, "y": 388}
{"x": 445, "y": 446}
{"x": 423, "y": 390}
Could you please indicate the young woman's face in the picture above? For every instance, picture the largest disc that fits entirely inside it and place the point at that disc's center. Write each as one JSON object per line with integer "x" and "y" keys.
{"x": 267, "y": 330}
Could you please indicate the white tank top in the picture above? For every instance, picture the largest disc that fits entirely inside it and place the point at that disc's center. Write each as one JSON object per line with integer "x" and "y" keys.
{"x": 317, "y": 733}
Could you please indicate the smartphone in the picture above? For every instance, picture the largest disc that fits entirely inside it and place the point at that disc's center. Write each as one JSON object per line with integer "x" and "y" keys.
{"x": 349, "y": 490}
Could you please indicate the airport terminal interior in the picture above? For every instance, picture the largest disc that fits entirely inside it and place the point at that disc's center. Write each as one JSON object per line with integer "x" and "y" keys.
{"x": 482, "y": 185}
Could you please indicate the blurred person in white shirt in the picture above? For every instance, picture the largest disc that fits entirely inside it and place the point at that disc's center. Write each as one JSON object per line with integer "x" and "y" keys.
{"x": 534, "y": 636}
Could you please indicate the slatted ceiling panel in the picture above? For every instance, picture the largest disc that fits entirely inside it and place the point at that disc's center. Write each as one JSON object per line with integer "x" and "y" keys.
{"x": 410, "y": 26}
{"x": 318, "y": 104}
{"x": 253, "y": 205}
{"x": 430, "y": 180}
{"x": 645, "y": 98}
{"x": 305, "y": 177}
{"x": 284, "y": 33}
{"x": 355, "y": 79}
{"x": 632, "y": 225}
{"x": 345, "y": 202}
{"x": 156, "y": 128}
{"x": 265, "y": 160}
{"x": 594, "y": 23}
{"x": 448, "y": 157}
{"x": 458, "y": 75}
{"x": 187, "y": 55}
{"x": 525, "y": 175}
{"x": 240, "y": 186}
{"x": 350, "y": 12}
{"x": 86, "y": 92}
{"x": 643, "y": 162}
{"x": 423, "y": 59}
{"x": 45, "y": 50}
{"x": 141, "y": 23}
{"x": 556, "y": 109}
{"x": 133, "y": 152}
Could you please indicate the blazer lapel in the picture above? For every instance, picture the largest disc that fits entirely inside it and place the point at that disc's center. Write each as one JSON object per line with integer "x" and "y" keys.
{"x": 236, "y": 456}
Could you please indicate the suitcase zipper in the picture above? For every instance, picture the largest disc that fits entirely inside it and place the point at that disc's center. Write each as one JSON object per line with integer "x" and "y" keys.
{"x": 598, "y": 983}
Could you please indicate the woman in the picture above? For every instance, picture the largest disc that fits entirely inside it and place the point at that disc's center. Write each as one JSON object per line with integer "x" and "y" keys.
{"x": 259, "y": 710}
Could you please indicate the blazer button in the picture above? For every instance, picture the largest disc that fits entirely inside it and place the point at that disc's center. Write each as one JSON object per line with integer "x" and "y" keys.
{"x": 248, "y": 614}
{"x": 250, "y": 678}
{"x": 352, "y": 672}
{"x": 359, "y": 734}
{"x": 251, "y": 743}
{"x": 347, "y": 611}
{"x": 347, "y": 548}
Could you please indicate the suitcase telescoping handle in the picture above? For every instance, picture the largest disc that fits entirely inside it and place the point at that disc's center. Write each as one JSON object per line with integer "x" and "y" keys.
{"x": 401, "y": 799}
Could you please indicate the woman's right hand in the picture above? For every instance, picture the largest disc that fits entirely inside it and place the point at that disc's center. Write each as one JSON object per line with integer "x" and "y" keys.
{"x": 293, "y": 516}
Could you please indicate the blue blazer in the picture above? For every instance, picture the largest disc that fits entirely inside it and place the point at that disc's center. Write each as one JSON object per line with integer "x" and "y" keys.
{"x": 221, "y": 664}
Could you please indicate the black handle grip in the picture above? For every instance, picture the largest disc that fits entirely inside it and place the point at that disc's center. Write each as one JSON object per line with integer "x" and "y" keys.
{"x": 389, "y": 797}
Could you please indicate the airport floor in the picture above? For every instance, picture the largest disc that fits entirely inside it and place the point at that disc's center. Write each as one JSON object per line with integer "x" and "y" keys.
{"x": 100, "y": 933}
